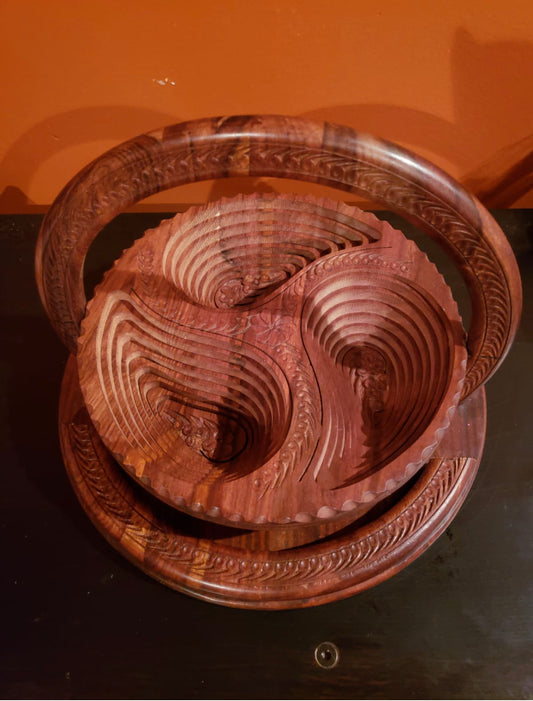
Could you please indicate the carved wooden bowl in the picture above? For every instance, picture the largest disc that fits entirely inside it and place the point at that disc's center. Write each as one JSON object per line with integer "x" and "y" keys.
{"x": 281, "y": 364}
{"x": 272, "y": 360}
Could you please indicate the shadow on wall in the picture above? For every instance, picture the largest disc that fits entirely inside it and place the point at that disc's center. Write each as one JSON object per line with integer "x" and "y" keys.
{"x": 76, "y": 127}
{"x": 490, "y": 89}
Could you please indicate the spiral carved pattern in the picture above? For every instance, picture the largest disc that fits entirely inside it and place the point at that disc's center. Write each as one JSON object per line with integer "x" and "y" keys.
{"x": 287, "y": 235}
{"x": 210, "y": 569}
{"x": 267, "y": 361}
{"x": 293, "y": 148}
{"x": 383, "y": 335}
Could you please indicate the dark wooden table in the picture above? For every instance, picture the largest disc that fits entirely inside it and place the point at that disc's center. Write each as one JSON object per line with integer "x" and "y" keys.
{"x": 79, "y": 621}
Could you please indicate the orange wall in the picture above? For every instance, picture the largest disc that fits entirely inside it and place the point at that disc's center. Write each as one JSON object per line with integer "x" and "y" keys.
{"x": 452, "y": 80}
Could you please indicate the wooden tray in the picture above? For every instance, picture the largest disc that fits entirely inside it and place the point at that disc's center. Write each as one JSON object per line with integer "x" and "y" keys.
{"x": 267, "y": 361}
{"x": 273, "y": 567}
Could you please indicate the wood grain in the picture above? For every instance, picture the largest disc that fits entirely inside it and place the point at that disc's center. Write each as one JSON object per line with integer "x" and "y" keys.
{"x": 179, "y": 552}
{"x": 280, "y": 365}
{"x": 285, "y": 147}
{"x": 267, "y": 361}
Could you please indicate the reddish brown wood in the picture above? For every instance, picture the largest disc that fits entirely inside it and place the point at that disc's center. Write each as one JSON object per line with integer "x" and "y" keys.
{"x": 198, "y": 558}
{"x": 269, "y": 361}
{"x": 286, "y": 372}
{"x": 291, "y": 148}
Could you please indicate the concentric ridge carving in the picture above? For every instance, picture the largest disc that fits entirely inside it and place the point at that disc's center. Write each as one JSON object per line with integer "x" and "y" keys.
{"x": 288, "y": 373}
{"x": 272, "y": 360}
{"x": 285, "y": 147}
{"x": 304, "y": 576}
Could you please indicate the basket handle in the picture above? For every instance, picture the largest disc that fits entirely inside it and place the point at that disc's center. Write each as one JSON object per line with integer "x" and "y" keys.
{"x": 285, "y": 147}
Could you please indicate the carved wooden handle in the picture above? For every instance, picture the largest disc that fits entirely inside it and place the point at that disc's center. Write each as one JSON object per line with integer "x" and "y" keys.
{"x": 291, "y": 148}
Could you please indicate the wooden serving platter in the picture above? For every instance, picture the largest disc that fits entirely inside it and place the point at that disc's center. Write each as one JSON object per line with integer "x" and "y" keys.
{"x": 272, "y": 361}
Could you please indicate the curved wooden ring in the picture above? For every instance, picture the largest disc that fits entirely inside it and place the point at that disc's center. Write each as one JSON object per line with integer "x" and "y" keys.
{"x": 285, "y": 147}
{"x": 208, "y": 568}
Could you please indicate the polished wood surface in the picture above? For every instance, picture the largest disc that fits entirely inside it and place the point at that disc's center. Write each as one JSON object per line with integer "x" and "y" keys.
{"x": 286, "y": 147}
{"x": 79, "y": 621}
{"x": 268, "y": 361}
{"x": 211, "y": 564}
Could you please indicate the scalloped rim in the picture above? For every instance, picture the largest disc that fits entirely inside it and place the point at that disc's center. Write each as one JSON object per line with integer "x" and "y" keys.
{"x": 325, "y": 512}
{"x": 308, "y": 575}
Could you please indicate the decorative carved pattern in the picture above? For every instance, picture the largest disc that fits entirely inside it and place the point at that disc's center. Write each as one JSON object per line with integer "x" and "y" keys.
{"x": 146, "y": 532}
{"x": 304, "y": 576}
{"x": 306, "y": 399}
{"x": 287, "y": 148}
{"x": 286, "y": 375}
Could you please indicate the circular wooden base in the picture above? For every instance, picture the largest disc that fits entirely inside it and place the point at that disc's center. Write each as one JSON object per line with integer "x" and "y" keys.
{"x": 204, "y": 560}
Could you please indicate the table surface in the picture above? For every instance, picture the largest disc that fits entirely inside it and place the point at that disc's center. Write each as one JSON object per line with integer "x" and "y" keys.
{"x": 80, "y": 622}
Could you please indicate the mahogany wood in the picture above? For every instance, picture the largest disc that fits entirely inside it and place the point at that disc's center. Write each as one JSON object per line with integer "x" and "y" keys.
{"x": 280, "y": 329}
{"x": 198, "y": 558}
{"x": 272, "y": 360}
{"x": 286, "y": 147}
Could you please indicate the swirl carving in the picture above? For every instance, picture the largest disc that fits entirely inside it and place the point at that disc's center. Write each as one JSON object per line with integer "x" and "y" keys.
{"x": 283, "y": 147}
{"x": 304, "y": 576}
{"x": 272, "y": 360}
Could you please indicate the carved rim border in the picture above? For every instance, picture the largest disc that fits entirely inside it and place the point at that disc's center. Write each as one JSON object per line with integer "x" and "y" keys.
{"x": 414, "y": 456}
{"x": 287, "y": 147}
{"x": 326, "y": 571}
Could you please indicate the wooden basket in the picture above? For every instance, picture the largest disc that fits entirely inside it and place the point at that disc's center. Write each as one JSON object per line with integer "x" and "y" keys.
{"x": 272, "y": 370}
